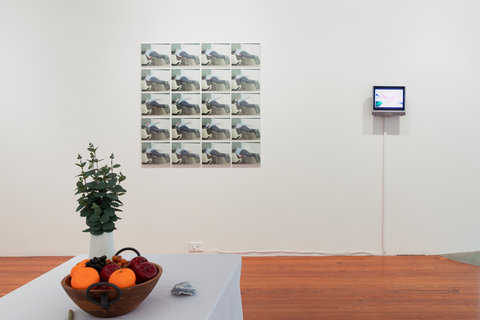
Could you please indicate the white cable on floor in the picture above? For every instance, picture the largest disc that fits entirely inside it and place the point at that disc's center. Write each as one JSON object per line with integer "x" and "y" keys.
{"x": 288, "y": 252}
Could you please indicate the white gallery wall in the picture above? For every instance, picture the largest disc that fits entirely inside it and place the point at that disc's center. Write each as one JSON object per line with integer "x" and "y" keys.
{"x": 70, "y": 74}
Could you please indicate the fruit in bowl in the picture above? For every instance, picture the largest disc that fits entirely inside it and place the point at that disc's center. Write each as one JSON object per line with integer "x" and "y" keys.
{"x": 107, "y": 271}
{"x": 145, "y": 271}
{"x": 135, "y": 262}
{"x": 121, "y": 292}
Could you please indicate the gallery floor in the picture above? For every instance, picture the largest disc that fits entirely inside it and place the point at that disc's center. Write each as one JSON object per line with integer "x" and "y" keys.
{"x": 297, "y": 288}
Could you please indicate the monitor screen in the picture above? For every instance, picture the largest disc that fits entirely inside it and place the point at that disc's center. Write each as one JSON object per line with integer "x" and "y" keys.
{"x": 388, "y": 98}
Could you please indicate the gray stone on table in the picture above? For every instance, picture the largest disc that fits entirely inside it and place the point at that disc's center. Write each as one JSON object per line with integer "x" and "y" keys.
{"x": 184, "y": 289}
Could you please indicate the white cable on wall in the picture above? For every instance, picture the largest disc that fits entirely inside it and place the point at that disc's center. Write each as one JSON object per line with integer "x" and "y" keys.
{"x": 383, "y": 188}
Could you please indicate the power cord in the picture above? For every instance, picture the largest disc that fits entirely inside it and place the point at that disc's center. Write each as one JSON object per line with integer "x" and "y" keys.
{"x": 286, "y": 252}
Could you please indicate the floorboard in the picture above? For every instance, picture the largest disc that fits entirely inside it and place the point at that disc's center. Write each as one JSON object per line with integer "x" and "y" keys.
{"x": 400, "y": 287}
{"x": 17, "y": 271}
{"x": 310, "y": 288}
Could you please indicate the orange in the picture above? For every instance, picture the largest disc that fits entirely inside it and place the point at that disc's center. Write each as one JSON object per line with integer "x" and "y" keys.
{"x": 84, "y": 277}
{"x": 79, "y": 265}
{"x": 123, "y": 278}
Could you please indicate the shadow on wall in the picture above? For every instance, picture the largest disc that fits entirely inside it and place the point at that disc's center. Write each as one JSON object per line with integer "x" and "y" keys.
{"x": 373, "y": 125}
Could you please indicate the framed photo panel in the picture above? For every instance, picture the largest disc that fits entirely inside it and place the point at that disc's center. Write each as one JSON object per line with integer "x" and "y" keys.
{"x": 200, "y": 105}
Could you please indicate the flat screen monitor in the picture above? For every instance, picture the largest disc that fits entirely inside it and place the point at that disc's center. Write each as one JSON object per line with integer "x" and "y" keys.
{"x": 388, "y": 100}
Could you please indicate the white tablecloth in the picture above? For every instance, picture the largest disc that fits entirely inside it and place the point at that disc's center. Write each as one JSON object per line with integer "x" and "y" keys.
{"x": 216, "y": 278}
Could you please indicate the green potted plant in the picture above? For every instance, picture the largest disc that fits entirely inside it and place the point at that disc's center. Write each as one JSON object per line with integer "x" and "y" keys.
{"x": 99, "y": 188}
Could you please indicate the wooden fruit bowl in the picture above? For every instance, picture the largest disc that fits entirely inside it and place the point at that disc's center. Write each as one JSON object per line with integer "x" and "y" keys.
{"x": 116, "y": 302}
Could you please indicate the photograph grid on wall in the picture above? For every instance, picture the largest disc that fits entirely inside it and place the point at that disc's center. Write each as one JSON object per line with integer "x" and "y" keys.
{"x": 200, "y": 105}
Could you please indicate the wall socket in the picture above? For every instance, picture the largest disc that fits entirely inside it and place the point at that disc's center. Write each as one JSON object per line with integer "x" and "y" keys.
{"x": 195, "y": 246}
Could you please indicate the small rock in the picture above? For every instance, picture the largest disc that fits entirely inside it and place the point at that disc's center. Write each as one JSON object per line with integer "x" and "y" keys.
{"x": 183, "y": 288}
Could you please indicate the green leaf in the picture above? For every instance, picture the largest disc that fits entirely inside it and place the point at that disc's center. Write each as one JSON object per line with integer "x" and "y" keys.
{"x": 118, "y": 188}
{"x": 100, "y": 194}
{"x": 93, "y": 218}
{"x": 122, "y": 178}
{"x": 90, "y": 172}
{"x": 108, "y": 226}
{"x": 85, "y": 212}
{"x": 109, "y": 212}
{"x": 96, "y": 233}
{"x": 110, "y": 230}
{"x": 96, "y": 209}
{"x": 92, "y": 224}
{"x": 105, "y": 203}
{"x": 104, "y": 218}
{"x": 96, "y": 227}
{"x": 111, "y": 183}
{"x": 79, "y": 207}
{"x": 112, "y": 196}
{"x": 86, "y": 230}
{"x": 116, "y": 166}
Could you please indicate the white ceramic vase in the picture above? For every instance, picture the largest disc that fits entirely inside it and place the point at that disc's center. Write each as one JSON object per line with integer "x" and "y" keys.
{"x": 102, "y": 245}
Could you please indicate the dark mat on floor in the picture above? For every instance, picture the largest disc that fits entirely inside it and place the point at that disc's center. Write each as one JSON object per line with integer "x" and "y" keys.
{"x": 472, "y": 258}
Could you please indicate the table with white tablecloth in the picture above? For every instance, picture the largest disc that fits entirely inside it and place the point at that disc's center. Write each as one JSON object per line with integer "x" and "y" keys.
{"x": 216, "y": 278}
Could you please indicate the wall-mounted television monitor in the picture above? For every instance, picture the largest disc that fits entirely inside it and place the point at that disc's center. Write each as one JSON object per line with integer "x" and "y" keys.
{"x": 388, "y": 100}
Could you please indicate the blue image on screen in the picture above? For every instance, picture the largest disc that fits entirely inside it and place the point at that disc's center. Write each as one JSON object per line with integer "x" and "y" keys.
{"x": 389, "y": 98}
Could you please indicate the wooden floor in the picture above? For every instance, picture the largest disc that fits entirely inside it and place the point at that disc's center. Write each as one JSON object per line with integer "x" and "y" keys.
{"x": 400, "y": 287}
{"x": 297, "y": 288}
{"x": 17, "y": 271}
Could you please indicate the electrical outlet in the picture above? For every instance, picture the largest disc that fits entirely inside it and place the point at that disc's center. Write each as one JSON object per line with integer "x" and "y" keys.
{"x": 195, "y": 246}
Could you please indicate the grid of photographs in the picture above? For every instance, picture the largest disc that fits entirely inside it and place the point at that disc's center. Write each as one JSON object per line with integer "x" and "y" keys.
{"x": 200, "y": 104}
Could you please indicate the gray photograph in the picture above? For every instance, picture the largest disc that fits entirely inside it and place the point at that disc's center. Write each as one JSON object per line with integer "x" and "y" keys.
{"x": 245, "y": 80}
{"x": 216, "y": 153}
{"x": 245, "y": 129}
{"x": 245, "y": 104}
{"x": 185, "y": 79}
{"x": 186, "y": 128}
{"x": 185, "y": 54}
{"x": 215, "y": 104}
{"x": 187, "y": 104}
{"x": 186, "y": 153}
{"x": 245, "y": 153}
{"x": 155, "y": 129}
{"x": 155, "y": 104}
{"x": 216, "y": 129}
{"x": 215, "y": 54}
{"x": 155, "y": 80}
{"x": 216, "y": 80}
{"x": 246, "y": 54}
{"x": 155, "y": 54}
{"x": 156, "y": 153}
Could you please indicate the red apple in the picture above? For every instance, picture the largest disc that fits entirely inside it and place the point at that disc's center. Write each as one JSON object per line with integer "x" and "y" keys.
{"x": 135, "y": 262}
{"x": 107, "y": 271}
{"x": 145, "y": 271}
